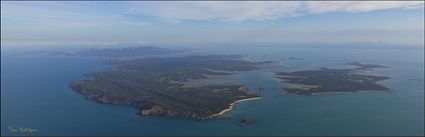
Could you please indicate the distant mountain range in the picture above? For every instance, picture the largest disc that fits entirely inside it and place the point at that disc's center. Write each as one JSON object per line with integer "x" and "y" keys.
{"x": 125, "y": 51}
{"x": 132, "y": 51}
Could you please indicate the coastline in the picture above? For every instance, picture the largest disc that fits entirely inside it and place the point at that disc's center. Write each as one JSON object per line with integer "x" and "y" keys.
{"x": 232, "y": 105}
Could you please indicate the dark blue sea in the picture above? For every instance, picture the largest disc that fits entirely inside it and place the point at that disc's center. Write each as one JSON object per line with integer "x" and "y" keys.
{"x": 35, "y": 94}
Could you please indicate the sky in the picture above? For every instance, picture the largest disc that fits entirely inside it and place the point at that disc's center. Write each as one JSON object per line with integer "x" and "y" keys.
{"x": 109, "y": 22}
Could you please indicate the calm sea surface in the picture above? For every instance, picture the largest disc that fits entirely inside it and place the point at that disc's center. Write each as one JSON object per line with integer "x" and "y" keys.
{"x": 35, "y": 94}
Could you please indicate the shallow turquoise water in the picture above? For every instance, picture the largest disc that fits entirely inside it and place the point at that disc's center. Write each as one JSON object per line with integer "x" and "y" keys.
{"x": 34, "y": 93}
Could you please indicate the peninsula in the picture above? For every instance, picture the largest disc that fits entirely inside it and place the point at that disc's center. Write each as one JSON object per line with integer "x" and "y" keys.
{"x": 158, "y": 86}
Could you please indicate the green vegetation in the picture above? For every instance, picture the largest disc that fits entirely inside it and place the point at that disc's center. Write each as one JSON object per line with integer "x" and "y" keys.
{"x": 155, "y": 86}
{"x": 333, "y": 80}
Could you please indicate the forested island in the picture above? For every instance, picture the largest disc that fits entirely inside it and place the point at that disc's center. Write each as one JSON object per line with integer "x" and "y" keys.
{"x": 326, "y": 80}
{"x": 162, "y": 86}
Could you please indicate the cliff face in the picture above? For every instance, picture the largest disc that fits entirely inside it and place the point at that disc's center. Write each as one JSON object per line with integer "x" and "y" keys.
{"x": 157, "y": 110}
{"x": 147, "y": 84}
{"x": 151, "y": 109}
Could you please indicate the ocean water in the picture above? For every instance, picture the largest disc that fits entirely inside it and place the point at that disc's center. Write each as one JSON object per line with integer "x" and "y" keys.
{"x": 35, "y": 94}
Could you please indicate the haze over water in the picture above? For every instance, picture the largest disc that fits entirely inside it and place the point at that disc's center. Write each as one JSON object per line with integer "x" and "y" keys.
{"x": 35, "y": 94}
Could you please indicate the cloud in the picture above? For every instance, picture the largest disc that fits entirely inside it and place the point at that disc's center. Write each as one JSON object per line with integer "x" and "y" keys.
{"x": 55, "y": 21}
{"x": 63, "y": 15}
{"x": 254, "y": 10}
{"x": 365, "y": 6}
{"x": 105, "y": 22}
{"x": 218, "y": 11}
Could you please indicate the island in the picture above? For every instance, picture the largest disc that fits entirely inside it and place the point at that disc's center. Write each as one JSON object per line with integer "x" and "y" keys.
{"x": 290, "y": 58}
{"x": 131, "y": 51}
{"x": 326, "y": 80}
{"x": 163, "y": 86}
{"x": 246, "y": 121}
{"x": 123, "y": 51}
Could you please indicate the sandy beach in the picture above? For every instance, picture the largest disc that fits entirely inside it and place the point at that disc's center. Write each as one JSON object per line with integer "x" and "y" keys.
{"x": 233, "y": 105}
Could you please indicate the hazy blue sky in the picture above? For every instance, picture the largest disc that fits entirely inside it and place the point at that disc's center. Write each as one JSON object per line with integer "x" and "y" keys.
{"x": 203, "y": 22}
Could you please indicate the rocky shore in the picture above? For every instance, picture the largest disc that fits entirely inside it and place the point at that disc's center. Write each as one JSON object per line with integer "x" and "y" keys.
{"x": 158, "y": 86}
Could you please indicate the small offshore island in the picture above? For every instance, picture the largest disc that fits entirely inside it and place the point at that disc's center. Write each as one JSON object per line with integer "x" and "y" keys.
{"x": 161, "y": 86}
{"x": 325, "y": 80}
